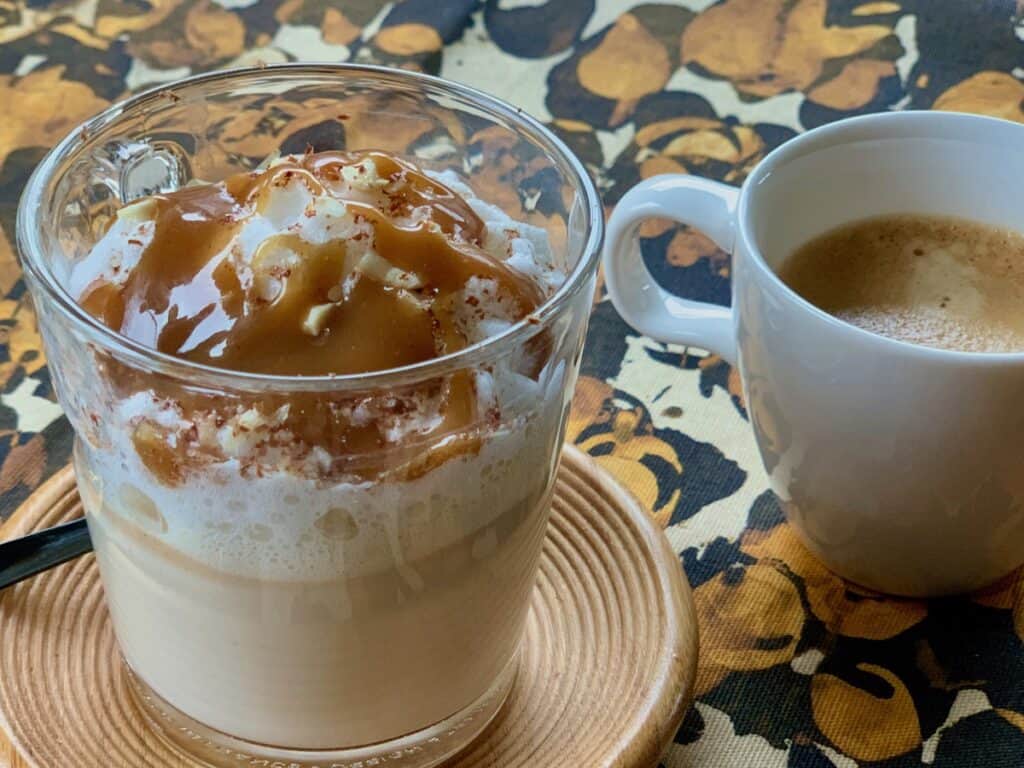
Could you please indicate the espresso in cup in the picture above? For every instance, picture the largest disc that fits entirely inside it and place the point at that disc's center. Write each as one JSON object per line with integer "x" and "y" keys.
{"x": 937, "y": 281}
{"x": 900, "y": 466}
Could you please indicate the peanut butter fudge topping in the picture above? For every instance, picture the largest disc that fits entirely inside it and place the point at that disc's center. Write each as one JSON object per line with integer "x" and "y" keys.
{"x": 383, "y": 288}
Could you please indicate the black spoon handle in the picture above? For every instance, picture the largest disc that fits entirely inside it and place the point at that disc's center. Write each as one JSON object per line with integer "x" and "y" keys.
{"x": 40, "y": 551}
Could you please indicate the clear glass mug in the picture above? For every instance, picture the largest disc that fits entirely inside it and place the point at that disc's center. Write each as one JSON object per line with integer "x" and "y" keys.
{"x": 302, "y": 604}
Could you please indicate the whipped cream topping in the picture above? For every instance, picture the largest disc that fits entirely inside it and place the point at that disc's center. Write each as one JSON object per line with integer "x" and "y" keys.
{"x": 319, "y": 264}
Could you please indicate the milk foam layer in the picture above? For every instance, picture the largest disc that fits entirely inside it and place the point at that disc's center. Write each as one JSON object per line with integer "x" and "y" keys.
{"x": 286, "y": 526}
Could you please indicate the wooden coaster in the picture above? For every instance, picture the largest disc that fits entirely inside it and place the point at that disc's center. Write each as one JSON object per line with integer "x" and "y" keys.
{"x": 607, "y": 667}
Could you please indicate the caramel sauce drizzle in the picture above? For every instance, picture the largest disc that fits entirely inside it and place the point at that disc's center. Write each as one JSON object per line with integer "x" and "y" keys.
{"x": 185, "y": 298}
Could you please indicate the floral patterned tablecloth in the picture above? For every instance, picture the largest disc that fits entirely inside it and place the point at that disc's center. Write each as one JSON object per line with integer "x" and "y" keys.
{"x": 797, "y": 668}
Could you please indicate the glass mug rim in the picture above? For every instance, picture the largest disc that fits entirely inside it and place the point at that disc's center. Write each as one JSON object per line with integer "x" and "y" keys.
{"x": 30, "y": 247}
{"x": 902, "y": 125}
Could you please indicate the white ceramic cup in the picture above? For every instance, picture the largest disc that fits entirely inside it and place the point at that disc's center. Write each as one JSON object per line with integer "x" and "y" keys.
{"x": 901, "y": 466}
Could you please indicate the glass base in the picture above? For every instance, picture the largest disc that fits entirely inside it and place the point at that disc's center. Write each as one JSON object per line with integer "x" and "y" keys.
{"x": 421, "y": 749}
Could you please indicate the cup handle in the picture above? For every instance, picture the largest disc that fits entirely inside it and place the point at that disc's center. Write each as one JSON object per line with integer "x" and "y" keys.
{"x": 706, "y": 205}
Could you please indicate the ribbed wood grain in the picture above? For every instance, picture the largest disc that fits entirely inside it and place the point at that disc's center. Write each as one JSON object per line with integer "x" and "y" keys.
{"x": 607, "y": 666}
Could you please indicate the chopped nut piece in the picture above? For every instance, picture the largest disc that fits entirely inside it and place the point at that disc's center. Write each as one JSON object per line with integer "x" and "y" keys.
{"x": 330, "y": 206}
{"x": 140, "y": 210}
{"x": 270, "y": 264}
{"x": 357, "y": 176}
{"x": 414, "y": 301}
{"x": 317, "y": 318}
{"x": 251, "y": 419}
{"x": 375, "y": 266}
{"x": 399, "y": 278}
